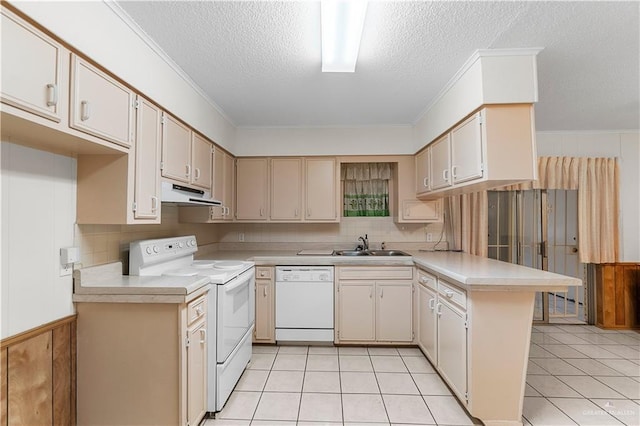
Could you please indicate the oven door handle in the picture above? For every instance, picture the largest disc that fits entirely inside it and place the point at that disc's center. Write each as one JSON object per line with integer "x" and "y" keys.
{"x": 233, "y": 287}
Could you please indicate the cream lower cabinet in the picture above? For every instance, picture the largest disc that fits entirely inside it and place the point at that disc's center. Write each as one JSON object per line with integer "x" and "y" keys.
{"x": 374, "y": 305}
{"x": 427, "y": 317}
{"x": 443, "y": 329}
{"x": 265, "y": 331}
{"x": 142, "y": 363}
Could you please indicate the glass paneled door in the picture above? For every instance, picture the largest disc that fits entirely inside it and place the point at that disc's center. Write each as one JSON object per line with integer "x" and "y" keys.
{"x": 538, "y": 228}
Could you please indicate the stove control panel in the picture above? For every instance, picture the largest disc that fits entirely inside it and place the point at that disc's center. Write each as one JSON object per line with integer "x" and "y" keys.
{"x": 145, "y": 253}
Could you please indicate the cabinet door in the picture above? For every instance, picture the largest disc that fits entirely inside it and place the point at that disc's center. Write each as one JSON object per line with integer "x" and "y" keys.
{"x": 452, "y": 346}
{"x": 147, "y": 152}
{"x": 217, "y": 189}
{"x": 176, "y": 150}
{"x": 286, "y": 189}
{"x": 100, "y": 105}
{"x": 31, "y": 68}
{"x": 251, "y": 189}
{"x": 440, "y": 166}
{"x": 201, "y": 161}
{"x": 265, "y": 327}
{"x": 427, "y": 322}
{"x": 229, "y": 186}
{"x": 421, "y": 211}
{"x": 356, "y": 310}
{"x": 394, "y": 314}
{"x": 320, "y": 189}
{"x": 197, "y": 373}
{"x": 422, "y": 171}
{"x": 466, "y": 150}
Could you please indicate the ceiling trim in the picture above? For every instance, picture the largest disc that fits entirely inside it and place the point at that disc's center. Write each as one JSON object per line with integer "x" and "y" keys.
{"x": 329, "y": 126}
{"x": 124, "y": 16}
{"x": 479, "y": 53}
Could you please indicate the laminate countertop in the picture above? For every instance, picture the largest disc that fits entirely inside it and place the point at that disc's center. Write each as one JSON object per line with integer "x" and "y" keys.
{"x": 470, "y": 272}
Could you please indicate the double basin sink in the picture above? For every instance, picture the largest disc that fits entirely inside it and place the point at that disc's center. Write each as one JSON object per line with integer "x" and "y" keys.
{"x": 369, "y": 253}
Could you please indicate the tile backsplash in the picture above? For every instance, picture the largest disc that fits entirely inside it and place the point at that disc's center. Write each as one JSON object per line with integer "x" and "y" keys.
{"x": 109, "y": 243}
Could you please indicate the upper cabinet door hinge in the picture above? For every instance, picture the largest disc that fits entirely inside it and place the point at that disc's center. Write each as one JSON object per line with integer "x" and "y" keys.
{"x": 136, "y": 104}
{"x": 466, "y": 321}
{"x": 480, "y": 119}
{"x": 134, "y": 206}
{"x": 162, "y": 165}
{"x": 186, "y": 342}
{"x": 163, "y": 120}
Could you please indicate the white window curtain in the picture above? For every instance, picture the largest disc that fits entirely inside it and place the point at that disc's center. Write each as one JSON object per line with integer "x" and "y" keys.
{"x": 366, "y": 189}
{"x": 597, "y": 182}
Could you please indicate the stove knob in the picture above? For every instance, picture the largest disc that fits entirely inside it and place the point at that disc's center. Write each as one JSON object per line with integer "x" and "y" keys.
{"x": 156, "y": 249}
{"x": 180, "y": 245}
{"x": 149, "y": 250}
{"x": 193, "y": 243}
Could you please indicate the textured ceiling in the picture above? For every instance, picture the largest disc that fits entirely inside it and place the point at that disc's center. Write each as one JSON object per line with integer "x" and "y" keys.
{"x": 260, "y": 61}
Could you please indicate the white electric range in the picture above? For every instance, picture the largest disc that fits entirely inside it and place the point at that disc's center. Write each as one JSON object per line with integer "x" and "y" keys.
{"x": 231, "y": 305}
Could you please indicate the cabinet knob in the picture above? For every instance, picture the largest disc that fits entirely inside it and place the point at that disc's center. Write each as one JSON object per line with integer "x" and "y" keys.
{"x": 188, "y": 170}
{"x": 52, "y": 95}
{"x": 84, "y": 110}
{"x": 449, "y": 293}
{"x": 199, "y": 310}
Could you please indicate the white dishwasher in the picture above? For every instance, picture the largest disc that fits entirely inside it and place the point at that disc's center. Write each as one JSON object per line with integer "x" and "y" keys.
{"x": 304, "y": 303}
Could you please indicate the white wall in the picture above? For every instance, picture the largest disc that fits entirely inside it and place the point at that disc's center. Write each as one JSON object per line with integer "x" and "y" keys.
{"x": 38, "y": 215}
{"x": 369, "y": 140}
{"x": 95, "y": 29}
{"x": 625, "y": 146}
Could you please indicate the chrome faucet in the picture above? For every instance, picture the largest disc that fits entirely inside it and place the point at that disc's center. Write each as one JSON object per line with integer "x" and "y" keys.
{"x": 365, "y": 242}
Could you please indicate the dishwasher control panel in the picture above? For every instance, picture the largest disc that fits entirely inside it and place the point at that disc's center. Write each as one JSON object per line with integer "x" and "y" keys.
{"x": 304, "y": 274}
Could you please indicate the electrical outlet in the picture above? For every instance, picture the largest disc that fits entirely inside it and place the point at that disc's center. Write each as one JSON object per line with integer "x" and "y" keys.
{"x": 241, "y": 237}
{"x": 429, "y": 237}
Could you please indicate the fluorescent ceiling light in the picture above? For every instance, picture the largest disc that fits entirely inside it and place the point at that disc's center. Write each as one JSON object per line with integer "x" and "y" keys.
{"x": 342, "y": 22}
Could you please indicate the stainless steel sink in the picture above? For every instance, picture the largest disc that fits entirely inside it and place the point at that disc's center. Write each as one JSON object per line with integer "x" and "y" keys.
{"x": 387, "y": 253}
{"x": 369, "y": 253}
{"x": 350, "y": 253}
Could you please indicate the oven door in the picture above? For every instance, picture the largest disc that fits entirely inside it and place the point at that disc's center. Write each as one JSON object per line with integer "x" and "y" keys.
{"x": 236, "y": 304}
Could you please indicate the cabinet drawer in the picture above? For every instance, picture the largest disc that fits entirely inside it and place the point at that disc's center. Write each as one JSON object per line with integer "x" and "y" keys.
{"x": 264, "y": 273}
{"x": 452, "y": 294}
{"x": 427, "y": 280}
{"x": 196, "y": 309}
{"x": 375, "y": 273}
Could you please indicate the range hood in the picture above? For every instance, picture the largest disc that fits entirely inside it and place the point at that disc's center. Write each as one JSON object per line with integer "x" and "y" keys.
{"x": 185, "y": 196}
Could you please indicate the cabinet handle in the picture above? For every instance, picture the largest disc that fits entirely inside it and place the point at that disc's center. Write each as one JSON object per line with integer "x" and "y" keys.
{"x": 84, "y": 110}
{"x": 53, "y": 95}
{"x": 445, "y": 175}
{"x": 449, "y": 293}
{"x": 188, "y": 170}
{"x": 261, "y": 212}
{"x": 308, "y": 212}
{"x": 370, "y": 292}
{"x": 264, "y": 290}
{"x": 203, "y": 335}
{"x": 381, "y": 293}
{"x": 295, "y": 213}
{"x": 439, "y": 309}
{"x": 425, "y": 182}
{"x": 199, "y": 311}
{"x": 197, "y": 173}
{"x": 154, "y": 204}
{"x": 454, "y": 170}
{"x": 432, "y": 303}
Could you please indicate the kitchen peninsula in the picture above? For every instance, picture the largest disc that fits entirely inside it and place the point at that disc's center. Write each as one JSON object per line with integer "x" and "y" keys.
{"x": 472, "y": 318}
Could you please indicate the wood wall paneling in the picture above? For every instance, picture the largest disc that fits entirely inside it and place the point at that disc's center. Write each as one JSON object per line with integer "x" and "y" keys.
{"x": 618, "y": 295}
{"x": 30, "y": 378}
{"x": 62, "y": 375}
{"x": 3, "y": 387}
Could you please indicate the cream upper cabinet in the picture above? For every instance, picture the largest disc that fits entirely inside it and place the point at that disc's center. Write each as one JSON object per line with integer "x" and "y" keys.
{"x": 466, "y": 150}
{"x": 252, "y": 189}
{"x": 223, "y": 185}
{"x": 100, "y": 105}
{"x": 228, "y": 201}
{"x": 286, "y": 189}
{"x": 265, "y": 329}
{"x": 407, "y": 208}
{"x": 176, "y": 150}
{"x": 374, "y": 304}
{"x": 440, "y": 165}
{"x": 201, "y": 161}
{"x": 147, "y": 163}
{"x": 31, "y": 68}
{"x": 423, "y": 159}
{"x": 321, "y": 190}
{"x": 493, "y": 147}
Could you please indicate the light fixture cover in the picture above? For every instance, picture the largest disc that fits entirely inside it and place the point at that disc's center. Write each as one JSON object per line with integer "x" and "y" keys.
{"x": 342, "y": 22}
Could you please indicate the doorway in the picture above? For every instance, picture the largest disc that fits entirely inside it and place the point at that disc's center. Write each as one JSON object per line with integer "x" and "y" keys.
{"x": 539, "y": 229}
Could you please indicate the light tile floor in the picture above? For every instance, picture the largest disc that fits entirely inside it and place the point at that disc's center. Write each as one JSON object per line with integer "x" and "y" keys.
{"x": 576, "y": 375}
